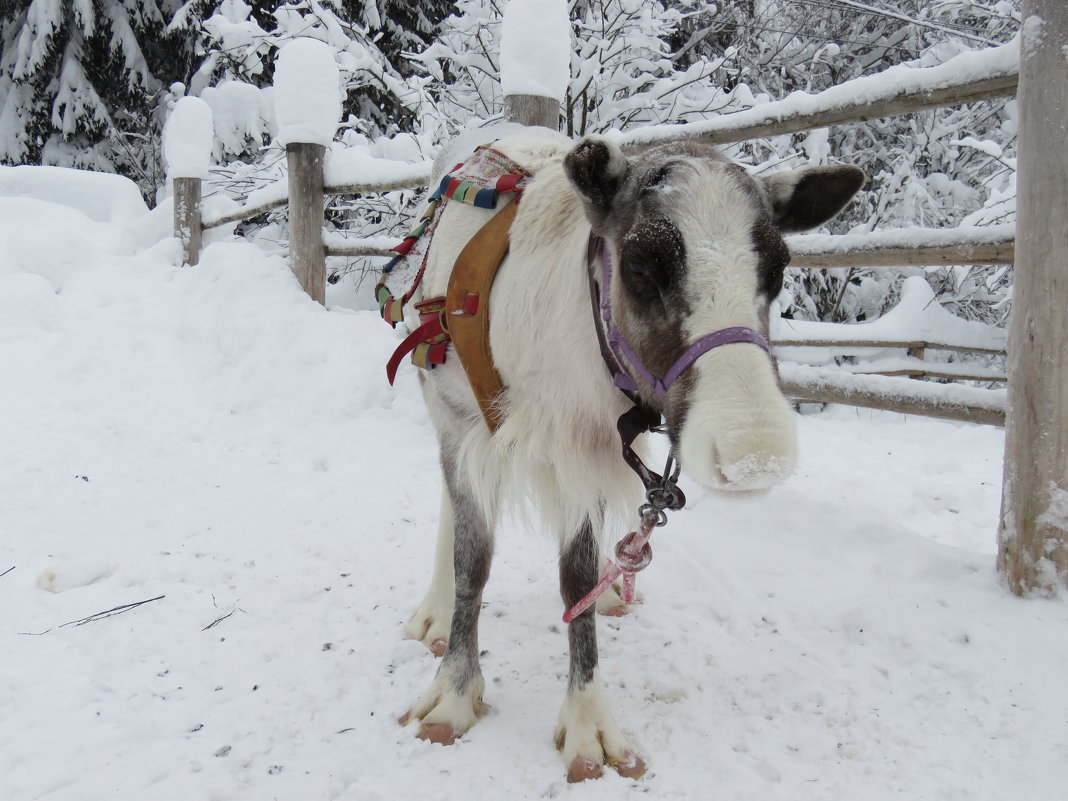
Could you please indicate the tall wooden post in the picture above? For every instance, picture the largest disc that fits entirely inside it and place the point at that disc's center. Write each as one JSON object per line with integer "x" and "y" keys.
{"x": 533, "y": 110}
{"x": 188, "y": 225}
{"x": 1033, "y": 534}
{"x": 306, "y": 217}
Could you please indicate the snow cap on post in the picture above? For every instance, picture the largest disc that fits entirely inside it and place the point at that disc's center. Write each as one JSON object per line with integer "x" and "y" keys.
{"x": 536, "y": 48}
{"x": 188, "y": 138}
{"x": 307, "y": 92}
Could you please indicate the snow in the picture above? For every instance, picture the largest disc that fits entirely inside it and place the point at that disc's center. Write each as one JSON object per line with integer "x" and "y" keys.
{"x": 211, "y": 438}
{"x": 905, "y": 237}
{"x": 243, "y": 116}
{"x": 972, "y": 65}
{"x": 357, "y": 167}
{"x": 536, "y": 48}
{"x": 918, "y": 317}
{"x": 307, "y": 92}
{"x": 99, "y": 196}
{"x": 188, "y": 138}
{"x": 1056, "y": 514}
{"x": 1032, "y": 33}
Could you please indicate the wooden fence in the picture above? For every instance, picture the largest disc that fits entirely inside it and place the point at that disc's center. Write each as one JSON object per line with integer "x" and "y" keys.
{"x": 929, "y": 88}
{"x": 1033, "y": 532}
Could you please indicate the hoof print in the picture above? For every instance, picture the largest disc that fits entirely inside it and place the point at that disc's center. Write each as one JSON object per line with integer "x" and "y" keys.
{"x": 582, "y": 769}
{"x": 441, "y": 733}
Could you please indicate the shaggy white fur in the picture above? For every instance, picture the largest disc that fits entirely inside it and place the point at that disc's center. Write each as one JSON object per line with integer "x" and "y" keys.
{"x": 557, "y": 446}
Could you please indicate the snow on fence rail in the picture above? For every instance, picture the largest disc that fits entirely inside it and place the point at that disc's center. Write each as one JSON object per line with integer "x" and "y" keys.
{"x": 906, "y": 247}
{"x": 947, "y": 401}
{"x": 968, "y": 77}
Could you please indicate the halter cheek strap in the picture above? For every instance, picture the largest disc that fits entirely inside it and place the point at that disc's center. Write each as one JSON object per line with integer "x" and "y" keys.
{"x": 627, "y": 357}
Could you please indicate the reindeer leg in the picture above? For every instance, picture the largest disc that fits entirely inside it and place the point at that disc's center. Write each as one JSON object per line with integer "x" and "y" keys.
{"x": 431, "y": 621}
{"x": 453, "y": 703}
{"x": 586, "y": 732}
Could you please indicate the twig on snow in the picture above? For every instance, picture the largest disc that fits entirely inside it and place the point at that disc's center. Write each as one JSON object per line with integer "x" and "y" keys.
{"x": 8, "y": 571}
{"x": 118, "y": 610}
{"x": 218, "y": 620}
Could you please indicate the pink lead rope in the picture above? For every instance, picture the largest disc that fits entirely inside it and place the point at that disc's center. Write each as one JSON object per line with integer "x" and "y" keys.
{"x": 633, "y": 554}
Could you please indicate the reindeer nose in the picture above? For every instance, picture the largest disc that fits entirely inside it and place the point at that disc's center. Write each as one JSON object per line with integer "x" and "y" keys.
{"x": 740, "y": 452}
{"x": 752, "y": 470}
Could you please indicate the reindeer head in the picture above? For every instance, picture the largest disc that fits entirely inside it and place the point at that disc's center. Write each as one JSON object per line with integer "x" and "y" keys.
{"x": 696, "y": 246}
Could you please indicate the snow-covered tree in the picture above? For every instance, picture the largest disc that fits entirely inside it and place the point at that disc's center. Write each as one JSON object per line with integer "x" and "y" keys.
{"x": 80, "y": 82}
{"x": 235, "y": 41}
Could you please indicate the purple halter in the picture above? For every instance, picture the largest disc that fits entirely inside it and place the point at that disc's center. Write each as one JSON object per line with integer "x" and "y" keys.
{"x": 625, "y": 354}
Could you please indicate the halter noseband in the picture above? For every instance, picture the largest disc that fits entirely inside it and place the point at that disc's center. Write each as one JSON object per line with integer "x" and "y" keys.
{"x": 625, "y": 355}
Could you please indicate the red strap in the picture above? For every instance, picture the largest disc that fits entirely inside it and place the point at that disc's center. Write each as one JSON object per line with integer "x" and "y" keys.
{"x": 426, "y": 331}
{"x": 508, "y": 181}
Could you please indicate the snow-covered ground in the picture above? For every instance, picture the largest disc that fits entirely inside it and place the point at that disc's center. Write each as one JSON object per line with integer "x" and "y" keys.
{"x": 211, "y": 436}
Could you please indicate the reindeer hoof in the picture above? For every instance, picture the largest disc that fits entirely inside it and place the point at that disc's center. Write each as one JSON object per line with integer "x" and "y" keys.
{"x": 581, "y": 769}
{"x": 441, "y": 733}
{"x": 611, "y": 603}
{"x": 438, "y": 646}
{"x": 631, "y": 766}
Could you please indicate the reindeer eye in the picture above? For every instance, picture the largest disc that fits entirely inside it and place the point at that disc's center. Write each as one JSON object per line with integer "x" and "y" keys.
{"x": 639, "y": 268}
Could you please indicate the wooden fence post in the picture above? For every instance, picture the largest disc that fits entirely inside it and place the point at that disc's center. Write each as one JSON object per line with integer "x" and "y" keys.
{"x": 1033, "y": 532}
{"x": 188, "y": 226}
{"x": 306, "y": 186}
{"x": 533, "y": 110}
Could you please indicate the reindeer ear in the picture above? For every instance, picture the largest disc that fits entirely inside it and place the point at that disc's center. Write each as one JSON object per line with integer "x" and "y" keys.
{"x": 803, "y": 199}
{"x": 596, "y": 168}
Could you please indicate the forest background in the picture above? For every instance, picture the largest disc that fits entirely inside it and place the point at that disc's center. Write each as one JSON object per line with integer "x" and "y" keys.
{"x": 89, "y": 84}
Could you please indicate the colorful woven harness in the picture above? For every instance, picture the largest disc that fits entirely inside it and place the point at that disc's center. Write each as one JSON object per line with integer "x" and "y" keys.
{"x": 480, "y": 181}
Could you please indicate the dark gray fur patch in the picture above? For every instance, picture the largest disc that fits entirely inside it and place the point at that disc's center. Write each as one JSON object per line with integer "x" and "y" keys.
{"x": 587, "y": 169}
{"x": 472, "y": 555}
{"x": 820, "y": 194}
{"x": 578, "y": 575}
{"x": 772, "y": 255}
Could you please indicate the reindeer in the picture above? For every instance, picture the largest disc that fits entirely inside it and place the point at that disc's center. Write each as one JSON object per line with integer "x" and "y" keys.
{"x": 687, "y": 244}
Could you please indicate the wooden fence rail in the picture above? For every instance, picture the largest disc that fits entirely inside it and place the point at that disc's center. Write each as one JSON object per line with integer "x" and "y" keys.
{"x": 909, "y": 344}
{"x": 890, "y": 393}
